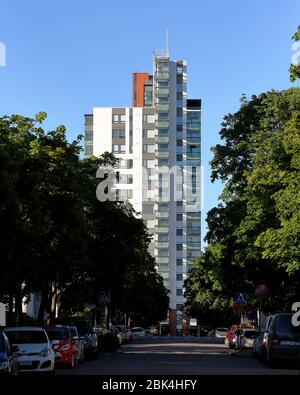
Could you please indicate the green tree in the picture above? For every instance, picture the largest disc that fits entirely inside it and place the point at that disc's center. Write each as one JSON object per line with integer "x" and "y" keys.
{"x": 295, "y": 68}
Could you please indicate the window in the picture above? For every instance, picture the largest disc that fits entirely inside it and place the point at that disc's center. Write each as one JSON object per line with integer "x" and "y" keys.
{"x": 163, "y": 222}
{"x": 118, "y": 148}
{"x": 179, "y": 143}
{"x": 179, "y": 232}
{"x": 179, "y": 128}
{"x": 179, "y": 157}
{"x": 163, "y": 237}
{"x": 118, "y": 118}
{"x": 178, "y": 292}
{"x": 179, "y": 277}
{"x": 179, "y": 306}
{"x": 163, "y": 207}
{"x": 163, "y": 162}
{"x": 163, "y": 132}
{"x": 162, "y": 116}
{"x": 178, "y": 247}
{"x": 179, "y": 262}
{"x": 149, "y": 148}
{"x": 179, "y": 217}
{"x": 179, "y": 204}
{"x": 179, "y": 79}
{"x": 163, "y": 252}
{"x": 179, "y": 103}
{"x": 129, "y": 179}
{"x": 118, "y": 133}
{"x": 148, "y": 134}
{"x": 129, "y": 194}
{"x": 162, "y": 99}
{"x": 147, "y": 118}
{"x": 179, "y": 68}
{"x": 179, "y": 87}
{"x": 179, "y": 112}
{"x": 129, "y": 163}
{"x": 163, "y": 147}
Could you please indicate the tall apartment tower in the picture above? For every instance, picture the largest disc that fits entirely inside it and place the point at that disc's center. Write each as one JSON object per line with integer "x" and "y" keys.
{"x": 158, "y": 142}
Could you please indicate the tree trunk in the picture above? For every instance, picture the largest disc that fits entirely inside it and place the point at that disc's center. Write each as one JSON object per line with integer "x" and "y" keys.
{"x": 43, "y": 307}
{"x": 18, "y": 305}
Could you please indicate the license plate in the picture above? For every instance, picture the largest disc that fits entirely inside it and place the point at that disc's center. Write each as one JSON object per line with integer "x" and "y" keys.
{"x": 287, "y": 343}
{"x": 25, "y": 363}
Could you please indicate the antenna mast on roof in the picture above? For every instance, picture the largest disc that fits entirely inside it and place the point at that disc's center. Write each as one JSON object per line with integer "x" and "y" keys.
{"x": 167, "y": 39}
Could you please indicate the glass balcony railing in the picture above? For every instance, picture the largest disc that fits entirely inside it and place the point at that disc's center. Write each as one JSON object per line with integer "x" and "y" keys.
{"x": 162, "y": 154}
{"x": 161, "y": 124}
{"x": 162, "y": 76}
{"x": 162, "y": 106}
{"x": 162, "y": 91}
{"x": 162, "y": 139}
{"x": 162, "y": 244}
{"x": 162, "y": 214}
{"x": 161, "y": 229}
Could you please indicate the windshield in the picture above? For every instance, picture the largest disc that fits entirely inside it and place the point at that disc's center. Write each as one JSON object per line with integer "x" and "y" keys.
{"x": 57, "y": 333}
{"x": 250, "y": 334}
{"x": 27, "y": 337}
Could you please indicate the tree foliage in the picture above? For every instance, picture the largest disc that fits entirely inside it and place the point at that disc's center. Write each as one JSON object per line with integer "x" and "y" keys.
{"x": 295, "y": 68}
{"x": 253, "y": 234}
{"x": 57, "y": 239}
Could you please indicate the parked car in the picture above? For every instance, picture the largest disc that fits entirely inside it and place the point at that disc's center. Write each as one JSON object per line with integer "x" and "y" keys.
{"x": 138, "y": 331}
{"x": 233, "y": 328}
{"x": 123, "y": 332}
{"x": 245, "y": 338}
{"x": 33, "y": 349}
{"x": 79, "y": 342}
{"x": 8, "y": 359}
{"x": 85, "y": 332}
{"x": 63, "y": 345}
{"x": 221, "y": 333}
{"x": 283, "y": 340}
{"x": 261, "y": 341}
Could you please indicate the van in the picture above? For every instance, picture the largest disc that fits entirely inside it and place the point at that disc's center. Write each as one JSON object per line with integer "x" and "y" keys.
{"x": 283, "y": 340}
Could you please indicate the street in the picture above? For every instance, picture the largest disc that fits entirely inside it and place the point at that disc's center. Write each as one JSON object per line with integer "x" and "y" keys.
{"x": 174, "y": 356}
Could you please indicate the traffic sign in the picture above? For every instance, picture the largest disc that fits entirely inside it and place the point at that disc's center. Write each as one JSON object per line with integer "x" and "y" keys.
{"x": 261, "y": 291}
{"x": 240, "y": 298}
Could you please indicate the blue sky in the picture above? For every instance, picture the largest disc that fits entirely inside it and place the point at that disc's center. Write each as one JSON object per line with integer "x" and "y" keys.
{"x": 64, "y": 57}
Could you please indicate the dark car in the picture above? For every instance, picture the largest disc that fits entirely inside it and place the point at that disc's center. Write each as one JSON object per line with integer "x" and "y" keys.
{"x": 283, "y": 340}
{"x": 8, "y": 360}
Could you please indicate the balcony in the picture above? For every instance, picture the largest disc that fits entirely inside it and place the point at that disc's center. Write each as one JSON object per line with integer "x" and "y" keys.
{"x": 161, "y": 91}
{"x": 162, "y": 107}
{"x": 162, "y": 214}
{"x": 160, "y": 259}
{"x": 161, "y": 76}
{"x": 161, "y": 229}
{"x": 162, "y": 244}
{"x": 161, "y": 124}
{"x": 162, "y": 154}
{"x": 162, "y": 139}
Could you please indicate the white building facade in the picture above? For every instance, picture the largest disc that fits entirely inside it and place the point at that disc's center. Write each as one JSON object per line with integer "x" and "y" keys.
{"x": 158, "y": 144}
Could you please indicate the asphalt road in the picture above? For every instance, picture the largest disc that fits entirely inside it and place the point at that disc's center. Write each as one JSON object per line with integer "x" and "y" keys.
{"x": 174, "y": 356}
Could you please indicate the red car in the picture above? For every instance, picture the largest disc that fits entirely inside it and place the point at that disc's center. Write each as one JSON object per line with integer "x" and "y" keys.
{"x": 63, "y": 345}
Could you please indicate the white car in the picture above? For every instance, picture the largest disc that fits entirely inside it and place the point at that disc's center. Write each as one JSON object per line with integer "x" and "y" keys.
{"x": 246, "y": 337}
{"x": 33, "y": 349}
{"x": 138, "y": 332}
{"x": 221, "y": 333}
